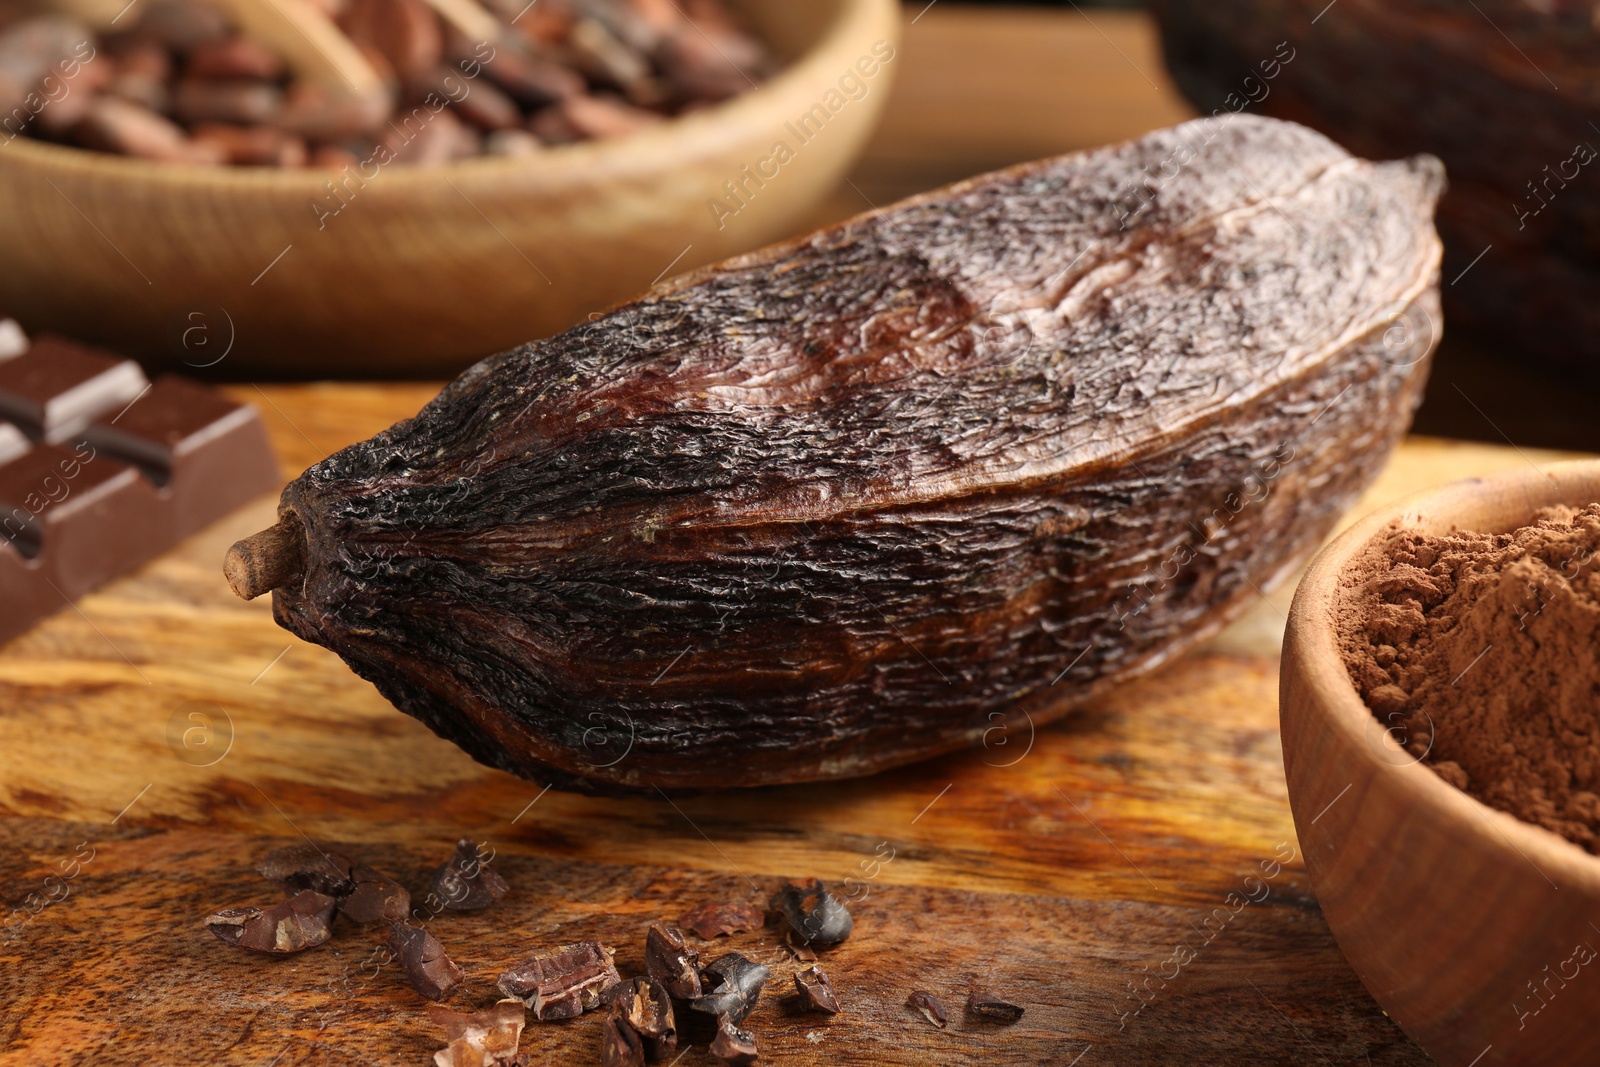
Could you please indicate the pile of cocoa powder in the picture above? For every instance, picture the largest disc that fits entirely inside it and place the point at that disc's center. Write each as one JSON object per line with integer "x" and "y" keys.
{"x": 1481, "y": 654}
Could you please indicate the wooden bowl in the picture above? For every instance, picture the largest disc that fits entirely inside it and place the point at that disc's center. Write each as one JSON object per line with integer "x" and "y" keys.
{"x": 423, "y": 270}
{"x": 1445, "y": 907}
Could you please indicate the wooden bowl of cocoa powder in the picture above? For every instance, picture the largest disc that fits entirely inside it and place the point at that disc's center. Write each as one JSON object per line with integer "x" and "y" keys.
{"x": 416, "y": 271}
{"x": 1440, "y": 712}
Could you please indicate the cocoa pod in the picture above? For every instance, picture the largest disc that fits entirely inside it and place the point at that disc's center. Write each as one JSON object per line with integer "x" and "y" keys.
{"x": 849, "y": 501}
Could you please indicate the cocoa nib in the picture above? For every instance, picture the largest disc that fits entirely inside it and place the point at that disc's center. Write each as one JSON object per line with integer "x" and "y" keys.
{"x": 816, "y": 992}
{"x": 669, "y": 960}
{"x": 363, "y": 894}
{"x": 814, "y": 915}
{"x": 716, "y": 920}
{"x": 798, "y": 949}
{"x": 483, "y": 1039}
{"x": 733, "y": 984}
{"x": 299, "y": 923}
{"x": 429, "y": 969}
{"x": 929, "y": 1006}
{"x": 620, "y": 1046}
{"x": 986, "y": 1005}
{"x": 640, "y": 1025}
{"x": 375, "y": 897}
{"x": 307, "y": 866}
{"x": 562, "y": 984}
{"x": 647, "y": 1007}
{"x": 466, "y": 883}
{"x": 733, "y": 1044}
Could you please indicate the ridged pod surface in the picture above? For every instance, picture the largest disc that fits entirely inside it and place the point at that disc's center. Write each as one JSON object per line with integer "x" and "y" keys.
{"x": 861, "y": 498}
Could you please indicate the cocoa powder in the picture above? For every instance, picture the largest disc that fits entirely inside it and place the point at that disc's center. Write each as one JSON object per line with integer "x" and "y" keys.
{"x": 1481, "y": 654}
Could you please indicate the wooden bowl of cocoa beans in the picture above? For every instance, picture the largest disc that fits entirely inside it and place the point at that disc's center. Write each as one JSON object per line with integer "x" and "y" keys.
{"x": 448, "y": 240}
{"x": 1443, "y": 759}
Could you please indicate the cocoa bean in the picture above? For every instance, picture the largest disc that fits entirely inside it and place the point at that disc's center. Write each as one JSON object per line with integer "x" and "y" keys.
{"x": 114, "y": 125}
{"x": 235, "y": 57}
{"x": 225, "y": 100}
{"x": 257, "y": 146}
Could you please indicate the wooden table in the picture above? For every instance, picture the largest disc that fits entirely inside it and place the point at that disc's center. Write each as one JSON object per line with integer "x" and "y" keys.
{"x": 1063, "y": 869}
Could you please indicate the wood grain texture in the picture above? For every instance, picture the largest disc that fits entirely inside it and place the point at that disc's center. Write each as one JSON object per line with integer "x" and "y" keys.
{"x": 1472, "y": 928}
{"x": 1059, "y": 878}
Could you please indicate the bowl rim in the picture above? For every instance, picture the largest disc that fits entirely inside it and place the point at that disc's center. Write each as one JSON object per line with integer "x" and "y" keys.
{"x": 1311, "y": 649}
{"x": 706, "y": 127}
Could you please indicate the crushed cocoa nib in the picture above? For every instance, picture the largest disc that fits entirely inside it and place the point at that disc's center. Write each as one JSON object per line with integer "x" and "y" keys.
{"x": 928, "y": 1004}
{"x": 732, "y": 1044}
{"x": 364, "y": 895}
{"x": 429, "y": 969}
{"x": 562, "y": 984}
{"x": 647, "y": 1008}
{"x": 816, "y": 992}
{"x": 717, "y": 920}
{"x": 620, "y": 1046}
{"x": 374, "y": 897}
{"x": 669, "y": 960}
{"x": 466, "y": 883}
{"x": 733, "y": 984}
{"x": 986, "y": 1005}
{"x": 307, "y": 866}
{"x": 301, "y": 922}
{"x": 814, "y": 915}
{"x": 798, "y": 949}
{"x": 483, "y": 1039}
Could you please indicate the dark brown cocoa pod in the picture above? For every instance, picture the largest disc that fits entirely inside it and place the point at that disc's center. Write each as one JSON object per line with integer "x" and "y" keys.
{"x": 1499, "y": 90}
{"x": 836, "y": 505}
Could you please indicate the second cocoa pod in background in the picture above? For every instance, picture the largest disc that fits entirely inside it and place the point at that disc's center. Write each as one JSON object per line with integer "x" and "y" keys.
{"x": 850, "y": 501}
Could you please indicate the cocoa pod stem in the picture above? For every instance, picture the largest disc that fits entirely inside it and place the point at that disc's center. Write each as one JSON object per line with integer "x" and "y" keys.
{"x": 268, "y": 560}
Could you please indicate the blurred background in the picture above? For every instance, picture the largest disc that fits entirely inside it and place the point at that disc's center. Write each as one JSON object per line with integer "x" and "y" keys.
{"x": 410, "y": 276}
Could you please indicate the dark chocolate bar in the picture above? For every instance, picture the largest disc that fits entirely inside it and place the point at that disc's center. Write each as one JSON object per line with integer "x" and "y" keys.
{"x": 102, "y": 469}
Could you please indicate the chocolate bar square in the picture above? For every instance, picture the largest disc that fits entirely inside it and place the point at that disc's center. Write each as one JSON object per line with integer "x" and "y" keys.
{"x": 101, "y": 470}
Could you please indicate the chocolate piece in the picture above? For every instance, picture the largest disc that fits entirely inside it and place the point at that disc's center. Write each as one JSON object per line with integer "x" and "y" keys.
{"x": 429, "y": 969}
{"x": 483, "y": 1039}
{"x": 925, "y": 1002}
{"x": 717, "y": 920}
{"x": 13, "y": 443}
{"x": 301, "y": 922}
{"x": 645, "y": 1006}
{"x": 733, "y": 1044}
{"x": 100, "y": 470}
{"x": 815, "y": 916}
{"x": 56, "y": 388}
{"x": 375, "y": 896}
{"x": 13, "y": 342}
{"x": 986, "y": 1005}
{"x": 620, "y": 1046}
{"x": 466, "y": 883}
{"x": 670, "y": 961}
{"x": 562, "y": 984}
{"x": 816, "y": 992}
{"x": 734, "y": 983}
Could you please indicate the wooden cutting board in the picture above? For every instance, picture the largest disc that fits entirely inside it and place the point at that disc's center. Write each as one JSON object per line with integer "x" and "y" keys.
{"x": 1130, "y": 876}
